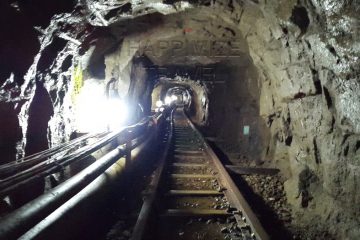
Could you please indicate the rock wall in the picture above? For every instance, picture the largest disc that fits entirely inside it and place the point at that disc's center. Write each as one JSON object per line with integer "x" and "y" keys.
{"x": 304, "y": 80}
{"x": 306, "y": 53}
{"x": 32, "y": 58}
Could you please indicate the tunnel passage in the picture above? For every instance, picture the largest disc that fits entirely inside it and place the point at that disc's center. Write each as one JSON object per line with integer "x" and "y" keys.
{"x": 225, "y": 103}
{"x": 197, "y": 93}
{"x": 222, "y": 68}
{"x": 281, "y": 81}
{"x": 256, "y": 76}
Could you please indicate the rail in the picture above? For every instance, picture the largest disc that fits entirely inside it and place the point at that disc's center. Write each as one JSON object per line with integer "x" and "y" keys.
{"x": 202, "y": 181}
{"x": 233, "y": 193}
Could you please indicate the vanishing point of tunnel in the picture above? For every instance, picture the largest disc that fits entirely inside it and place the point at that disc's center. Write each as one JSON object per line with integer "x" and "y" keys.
{"x": 167, "y": 119}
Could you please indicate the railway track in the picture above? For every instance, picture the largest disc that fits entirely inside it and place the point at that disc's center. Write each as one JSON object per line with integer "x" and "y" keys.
{"x": 191, "y": 195}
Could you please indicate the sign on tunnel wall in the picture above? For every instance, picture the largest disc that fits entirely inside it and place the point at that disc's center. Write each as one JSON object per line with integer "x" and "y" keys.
{"x": 246, "y": 130}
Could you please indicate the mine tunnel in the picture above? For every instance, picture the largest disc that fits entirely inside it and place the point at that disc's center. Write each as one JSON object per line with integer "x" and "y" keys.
{"x": 159, "y": 119}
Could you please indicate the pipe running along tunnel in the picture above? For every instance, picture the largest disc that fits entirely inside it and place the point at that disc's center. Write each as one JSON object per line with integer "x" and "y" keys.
{"x": 213, "y": 119}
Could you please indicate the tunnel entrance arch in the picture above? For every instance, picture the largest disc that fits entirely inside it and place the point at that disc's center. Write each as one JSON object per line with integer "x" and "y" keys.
{"x": 197, "y": 94}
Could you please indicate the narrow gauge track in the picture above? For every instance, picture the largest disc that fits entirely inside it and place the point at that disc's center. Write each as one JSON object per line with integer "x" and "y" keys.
{"x": 191, "y": 195}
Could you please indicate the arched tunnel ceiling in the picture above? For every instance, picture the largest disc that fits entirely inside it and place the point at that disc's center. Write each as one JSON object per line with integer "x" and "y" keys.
{"x": 198, "y": 109}
{"x": 193, "y": 37}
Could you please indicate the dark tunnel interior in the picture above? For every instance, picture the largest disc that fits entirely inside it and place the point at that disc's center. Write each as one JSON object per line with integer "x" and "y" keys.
{"x": 268, "y": 84}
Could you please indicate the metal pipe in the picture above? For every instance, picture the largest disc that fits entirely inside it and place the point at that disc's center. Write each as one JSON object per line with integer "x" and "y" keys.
{"x": 10, "y": 184}
{"x": 108, "y": 177}
{"x": 25, "y": 217}
{"x": 22, "y": 219}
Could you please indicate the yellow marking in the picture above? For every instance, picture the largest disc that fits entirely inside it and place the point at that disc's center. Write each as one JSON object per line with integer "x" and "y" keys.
{"x": 78, "y": 81}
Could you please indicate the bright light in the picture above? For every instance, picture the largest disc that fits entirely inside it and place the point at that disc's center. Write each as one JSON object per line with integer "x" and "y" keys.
{"x": 95, "y": 113}
{"x": 168, "y": 100}
{"x": 159, "y": 103}
{"x": 116, "y": 114}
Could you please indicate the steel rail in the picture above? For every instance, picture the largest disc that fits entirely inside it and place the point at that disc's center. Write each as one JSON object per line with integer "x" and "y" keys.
{"x": 232, "y": 192}
{"x": 141, "y": 223}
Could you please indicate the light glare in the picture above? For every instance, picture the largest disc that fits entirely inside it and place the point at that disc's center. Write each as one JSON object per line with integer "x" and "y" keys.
{"x": 168, "y": 100}
{"x": 116, "y": 113}
{"x": 159, "y": 103}
{"x": 95, "y": 113}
